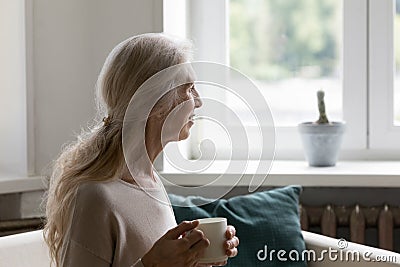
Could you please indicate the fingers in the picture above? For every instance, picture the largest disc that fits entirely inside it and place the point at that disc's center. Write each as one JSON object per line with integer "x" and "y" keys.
{"x": 183, "y": 227}
{"x": 195, "y": 236}
{"x": 222, "y": 263}
{"x": 230, "y": 232}
{"x": 200, "y": 246}
{"x": 231, "y": 243}
{"x": 191, "y": 255}
{"x": 232, "y": 252}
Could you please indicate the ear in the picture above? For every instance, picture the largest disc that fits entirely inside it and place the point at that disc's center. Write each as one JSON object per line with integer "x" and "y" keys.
{"x": 159, "y": 115}
{"x": 156, "y": 112}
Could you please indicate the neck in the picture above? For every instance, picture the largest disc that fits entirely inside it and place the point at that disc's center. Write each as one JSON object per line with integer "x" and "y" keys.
{"x": 143, "y": 165}
{"x": 153, "y": 141}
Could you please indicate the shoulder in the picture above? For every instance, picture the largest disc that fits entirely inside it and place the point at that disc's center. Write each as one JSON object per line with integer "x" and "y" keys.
{"x": 93, "y": 224}
{"x": 93, "y": 209}
{"x": 96, "y": 199}
{"x": 100, "y": 193}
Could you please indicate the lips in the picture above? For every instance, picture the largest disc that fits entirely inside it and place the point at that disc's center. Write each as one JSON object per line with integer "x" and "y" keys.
{"x": 191, "y": 117}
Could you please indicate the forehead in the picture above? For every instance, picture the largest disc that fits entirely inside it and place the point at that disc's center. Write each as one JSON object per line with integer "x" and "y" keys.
{"x": 185, "y": 74}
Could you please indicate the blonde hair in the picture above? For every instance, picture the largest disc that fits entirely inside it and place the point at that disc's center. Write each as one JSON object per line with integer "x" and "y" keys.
{"x": 97, "y": 154}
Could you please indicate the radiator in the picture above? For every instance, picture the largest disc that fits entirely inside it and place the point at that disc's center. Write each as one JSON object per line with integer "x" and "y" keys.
{"x": 328, "y": 218}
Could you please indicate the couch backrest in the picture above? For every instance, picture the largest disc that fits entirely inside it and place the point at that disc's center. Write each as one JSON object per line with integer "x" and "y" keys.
{"x": 24, "y": 250}
{"x": 368, "y": 256}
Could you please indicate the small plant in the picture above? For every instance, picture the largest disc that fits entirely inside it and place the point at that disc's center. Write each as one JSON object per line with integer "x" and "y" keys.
{"x": 322, "y": 138}
{"x": 323, "y": 119}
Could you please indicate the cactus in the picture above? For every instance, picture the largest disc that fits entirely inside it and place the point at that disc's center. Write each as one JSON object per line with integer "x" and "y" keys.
{"x": 323, "y": 119}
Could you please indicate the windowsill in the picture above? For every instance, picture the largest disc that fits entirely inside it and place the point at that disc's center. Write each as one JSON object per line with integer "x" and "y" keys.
{"x": 16, "y": 184}
{"x": 344, "y": 174}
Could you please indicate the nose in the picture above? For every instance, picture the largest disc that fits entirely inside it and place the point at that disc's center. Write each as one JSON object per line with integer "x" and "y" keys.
{"x": 197, "y": 102}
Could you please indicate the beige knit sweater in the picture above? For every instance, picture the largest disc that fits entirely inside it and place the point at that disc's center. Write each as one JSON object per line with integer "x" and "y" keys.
{"x": 115, "y": 223}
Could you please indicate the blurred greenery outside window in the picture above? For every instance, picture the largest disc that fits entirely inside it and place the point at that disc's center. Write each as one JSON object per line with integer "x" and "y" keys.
{"x": 294, "y": 48}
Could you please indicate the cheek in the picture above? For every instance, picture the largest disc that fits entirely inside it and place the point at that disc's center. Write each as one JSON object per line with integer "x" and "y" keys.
{"x": 189, "y": 106}
{"x": 184, "y": 111}
{"x": 178, "y": 119}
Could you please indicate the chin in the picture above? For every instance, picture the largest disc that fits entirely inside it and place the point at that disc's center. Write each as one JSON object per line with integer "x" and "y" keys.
{"x": 184, "y": 133}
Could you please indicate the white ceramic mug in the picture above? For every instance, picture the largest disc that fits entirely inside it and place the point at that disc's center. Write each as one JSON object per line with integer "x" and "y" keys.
{"x": 215, "y": 231}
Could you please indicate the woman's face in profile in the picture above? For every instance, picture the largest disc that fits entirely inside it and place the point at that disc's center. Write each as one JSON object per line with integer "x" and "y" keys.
{"x": 178, "y": 122}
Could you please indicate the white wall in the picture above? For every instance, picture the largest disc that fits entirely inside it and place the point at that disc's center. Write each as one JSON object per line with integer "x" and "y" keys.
{"x": 71, "y": 40}
{"x": 13, "y": 132}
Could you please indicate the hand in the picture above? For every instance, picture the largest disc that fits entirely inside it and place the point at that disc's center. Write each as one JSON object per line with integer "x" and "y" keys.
{"x": 171, "y": 250}
{"x": 230, "y": 245}
{"x": 232, "y": 242}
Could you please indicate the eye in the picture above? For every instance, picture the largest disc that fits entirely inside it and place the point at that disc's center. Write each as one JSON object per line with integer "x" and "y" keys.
{"x": 191, "y": 89}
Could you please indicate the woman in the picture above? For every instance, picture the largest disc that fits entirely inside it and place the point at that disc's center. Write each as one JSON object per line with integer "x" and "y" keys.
{"x": 104, "y": 212}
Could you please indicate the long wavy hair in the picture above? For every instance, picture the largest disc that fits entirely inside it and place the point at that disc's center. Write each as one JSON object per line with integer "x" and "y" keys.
{"x": 97, "y": 154}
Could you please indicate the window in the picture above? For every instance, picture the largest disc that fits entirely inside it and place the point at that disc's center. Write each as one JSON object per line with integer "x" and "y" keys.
{"x": 384, "y": 131}
{"x": 293, "y": 48}
{"x": 396, "y": 98}
{"x": 290, "y": 49}
{"x": 14, "y": 130}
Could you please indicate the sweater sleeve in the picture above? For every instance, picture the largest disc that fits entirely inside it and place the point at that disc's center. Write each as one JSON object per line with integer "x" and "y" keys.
{"x": 91, "y": 238}
{"x": 138, "y": 263}
{"x": 78, "y": 256}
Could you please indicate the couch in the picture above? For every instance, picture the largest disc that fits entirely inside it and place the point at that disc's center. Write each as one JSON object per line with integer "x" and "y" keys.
{"x": 29, "y": 250}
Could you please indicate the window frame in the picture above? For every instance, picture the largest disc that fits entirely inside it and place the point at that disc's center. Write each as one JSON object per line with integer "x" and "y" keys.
{"x": 17, "y": 155}
{"x": 367, "y": 137}
{"x": 383, "y": 134}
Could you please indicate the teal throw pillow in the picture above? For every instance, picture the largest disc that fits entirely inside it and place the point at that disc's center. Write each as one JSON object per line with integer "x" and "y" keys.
{"x": 266, "y": 222}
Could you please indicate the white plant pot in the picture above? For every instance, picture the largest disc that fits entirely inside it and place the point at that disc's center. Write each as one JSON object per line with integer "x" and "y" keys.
{"x": 321, "y": 142}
